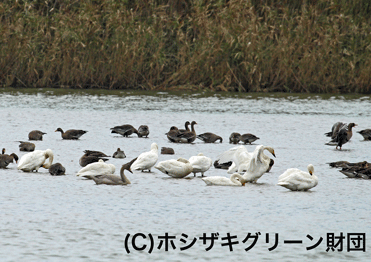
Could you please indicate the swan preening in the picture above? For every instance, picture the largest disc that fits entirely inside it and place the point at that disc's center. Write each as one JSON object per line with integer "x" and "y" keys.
{"x": 177, "y": 168}
{"x": 146, "y": 160}
{"x": 200, "y": 163}
{"x": 96, "y": 168}
{"x": 234, "y": 180}
{"x": 298, "y": 180}
{"x": 36, "y": 159}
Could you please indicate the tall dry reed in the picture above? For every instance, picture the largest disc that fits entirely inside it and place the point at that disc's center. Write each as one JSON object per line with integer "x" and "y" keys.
{"x": 236, "y": 45}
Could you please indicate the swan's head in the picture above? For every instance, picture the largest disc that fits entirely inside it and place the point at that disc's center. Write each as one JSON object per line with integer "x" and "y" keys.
{"x": 200, "y": 154}
{"x": 154, "y": 146}
{"x": 59, "y": 130}
{"x": 310, "y": 169}
{"x": 193, "y": 123}
{"x": 181, "y": 159}
{"x": 3, "y": 151}
{"x": 48, "y": 154}
{"x": 270, "y": 149}
{"x": 127, "y": 166}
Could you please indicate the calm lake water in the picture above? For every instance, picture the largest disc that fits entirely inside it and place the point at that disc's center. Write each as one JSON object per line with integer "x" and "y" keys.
{"x": 45, "y": 218}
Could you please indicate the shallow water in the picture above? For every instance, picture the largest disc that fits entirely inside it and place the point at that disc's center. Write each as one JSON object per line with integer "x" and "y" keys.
{"x": 69, "y": 218}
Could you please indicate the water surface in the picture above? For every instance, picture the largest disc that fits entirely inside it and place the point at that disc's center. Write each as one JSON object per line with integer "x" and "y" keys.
{"x": 68, "y": 218}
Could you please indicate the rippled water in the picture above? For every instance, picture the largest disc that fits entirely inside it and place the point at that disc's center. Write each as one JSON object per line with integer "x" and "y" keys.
{"x": 68, "y": 218}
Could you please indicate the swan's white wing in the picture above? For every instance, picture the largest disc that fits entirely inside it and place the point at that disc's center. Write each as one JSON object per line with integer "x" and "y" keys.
{"x": 256, "y": 168}
{"x": 298, "y": 180}
{"x": 219, "y": 181}
{"x": 174, "y": 168}
{"x": 32, "y": 161}
{"x": 97, "y": 168}
{"x": 287, "y": 173}
{"x": 200, "y": 163}
{"x": 145, "y": 161}
{"x": 241, "y": 161}
{"x": 228, "y": 155}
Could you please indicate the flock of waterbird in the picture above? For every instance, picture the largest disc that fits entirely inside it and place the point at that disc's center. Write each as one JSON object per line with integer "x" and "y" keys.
{"x": 244, "y": 167}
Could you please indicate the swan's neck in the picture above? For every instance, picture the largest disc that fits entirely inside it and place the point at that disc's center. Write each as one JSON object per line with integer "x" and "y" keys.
{"x": 123, "y": 177}
{"x": 47, "y": 165}
{"x": 186, "y": 126}
{"x": 239, "y": 181}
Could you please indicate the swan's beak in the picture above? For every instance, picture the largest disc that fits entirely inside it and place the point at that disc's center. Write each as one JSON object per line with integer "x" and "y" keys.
{"x": 273, "y": 154}
{"x": 130, "y": 170}
{"x": 310, "y": 172}
{"x": 243, "y": 184}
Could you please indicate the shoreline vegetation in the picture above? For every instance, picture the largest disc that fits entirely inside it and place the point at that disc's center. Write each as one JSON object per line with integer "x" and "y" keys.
{"x": 307, "y": 46}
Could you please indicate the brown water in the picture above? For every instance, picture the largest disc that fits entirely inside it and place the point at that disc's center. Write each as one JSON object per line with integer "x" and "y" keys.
{"x": 67, "y": 218}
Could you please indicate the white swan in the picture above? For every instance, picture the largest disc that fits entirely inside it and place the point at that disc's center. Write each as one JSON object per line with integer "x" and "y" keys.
{"x": 239, "y": 156}
{"x": 177, "y": 168}
{"x": 36, "y": 159}
{"x": 96, "y": 168}
{"x": 146, "y": 160}
{"x": 200, "y": 163}
{"x": 297, "y": 180}
{"x": 259, "y": 164}
{"x": 235, "y": 180}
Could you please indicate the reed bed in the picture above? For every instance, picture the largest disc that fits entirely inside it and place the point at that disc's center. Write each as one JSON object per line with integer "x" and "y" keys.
{"x": 237, "y": 45}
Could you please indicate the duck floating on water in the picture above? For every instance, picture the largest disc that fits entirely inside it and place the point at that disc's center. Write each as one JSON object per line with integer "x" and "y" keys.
{"x": 124, "y": 130}
{"x": 71, "y": 134}
{"x": 210, "y": 137}
{"x": 36, "y": 135}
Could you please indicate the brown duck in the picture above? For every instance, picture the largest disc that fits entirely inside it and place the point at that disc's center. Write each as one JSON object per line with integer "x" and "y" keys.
{"x": 72, "y": 134}
{"x": 57, "y": 169}
{"x": 366, "y": 133}
{"x": 124, "y": 130}
{"x": 92, "y": 156}
{"x": 26, "y": 146}
{"x": 210, "y": 137}
{"x": 6, "y": 159}
{"x": 143, "y": 131}
{"x": 248, "y": 138}
{"x": 188, "y": 136}
{"x": 36, "y": 135}
{"x": 234, "y": 138}
{"x": 343, "y": 136}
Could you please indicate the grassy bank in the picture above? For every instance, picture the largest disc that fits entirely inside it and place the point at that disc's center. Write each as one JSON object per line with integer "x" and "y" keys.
{"x": 237, "y": 45}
